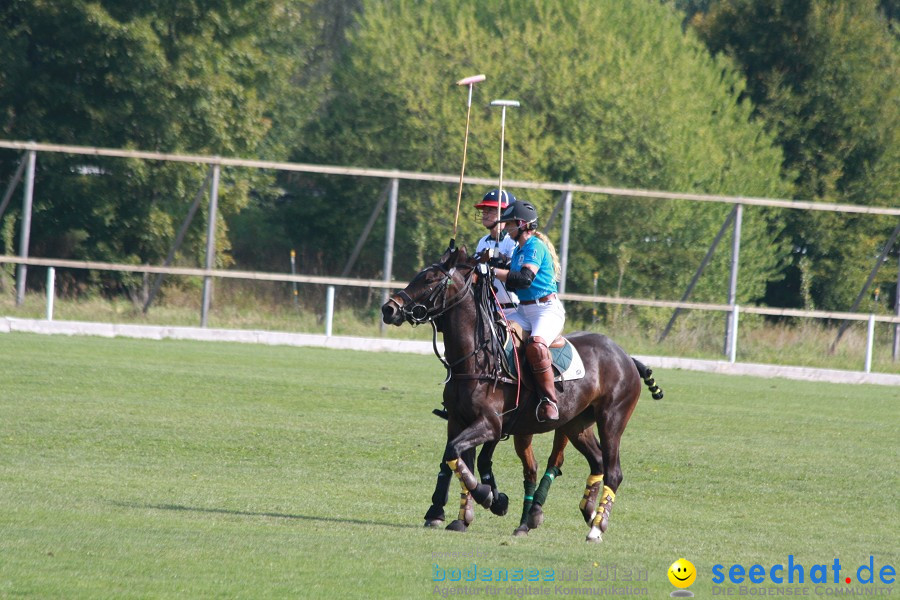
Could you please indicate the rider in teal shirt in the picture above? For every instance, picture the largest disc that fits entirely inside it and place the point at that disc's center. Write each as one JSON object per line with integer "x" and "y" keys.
{"x": 532, "y": 274}
{"x": 535, "y": 252}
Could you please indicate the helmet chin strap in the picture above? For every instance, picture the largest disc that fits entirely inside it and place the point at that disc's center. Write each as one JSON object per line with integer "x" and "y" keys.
{"x": 521, "y": 228}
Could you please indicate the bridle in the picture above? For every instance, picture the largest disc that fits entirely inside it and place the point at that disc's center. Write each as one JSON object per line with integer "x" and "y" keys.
{"x": 433, "y": 302}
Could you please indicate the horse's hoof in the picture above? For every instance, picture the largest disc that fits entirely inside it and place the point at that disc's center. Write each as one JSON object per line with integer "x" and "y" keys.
{"x": 483, "y": 495}
{"x": 535, "y": 516}
{"x": 456, "y": 525}
{"x": 521, "y": 530}
{"x": 594, "y": 535}
{"x": 434, "y": 514}
{"x": 500, "y": 504}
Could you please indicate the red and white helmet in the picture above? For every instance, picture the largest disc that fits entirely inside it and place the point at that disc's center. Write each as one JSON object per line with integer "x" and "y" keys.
{"x": 490, "y": 199}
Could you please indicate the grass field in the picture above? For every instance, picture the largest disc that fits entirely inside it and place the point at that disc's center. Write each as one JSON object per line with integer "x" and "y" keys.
{"x": 164, "y": 469}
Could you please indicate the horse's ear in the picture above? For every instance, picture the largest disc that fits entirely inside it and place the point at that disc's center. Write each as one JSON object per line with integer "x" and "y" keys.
{"x": 453, "y": 256}
{"x": 448, "y": 255}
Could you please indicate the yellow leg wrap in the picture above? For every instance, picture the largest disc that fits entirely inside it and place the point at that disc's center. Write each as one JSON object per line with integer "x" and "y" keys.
{"x": 462, "y": 485}
{"x": 452, "y": 464}
{"x": 591, "y": 480}
{"x": 606, "y": 501}
{"x": 464, "y": 508}
{"x": 607, "y": 491}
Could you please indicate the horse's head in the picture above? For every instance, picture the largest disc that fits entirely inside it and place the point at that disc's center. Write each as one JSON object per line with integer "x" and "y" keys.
{"x": 431, "y": 292}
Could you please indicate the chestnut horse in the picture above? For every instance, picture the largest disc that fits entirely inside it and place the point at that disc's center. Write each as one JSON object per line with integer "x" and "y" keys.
{"x": 455, "y": 295}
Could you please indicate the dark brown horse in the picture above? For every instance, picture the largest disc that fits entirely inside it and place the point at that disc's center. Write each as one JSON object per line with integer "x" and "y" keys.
{"x": 454, "y": 295}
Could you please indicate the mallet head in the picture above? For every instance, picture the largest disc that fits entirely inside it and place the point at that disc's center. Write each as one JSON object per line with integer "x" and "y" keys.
{"x": 471, "y": 80}
{"x": 505, "y": 103}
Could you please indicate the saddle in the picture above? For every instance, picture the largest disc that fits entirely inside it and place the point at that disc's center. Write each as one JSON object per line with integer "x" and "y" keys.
{"x": 567, "y": 363}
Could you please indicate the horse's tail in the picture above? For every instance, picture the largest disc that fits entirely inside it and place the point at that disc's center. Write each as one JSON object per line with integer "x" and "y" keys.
{"x": 646, "y": 375}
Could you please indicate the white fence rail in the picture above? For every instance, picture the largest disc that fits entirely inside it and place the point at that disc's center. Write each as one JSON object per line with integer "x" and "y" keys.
{"x": 332, "y": 282}
{"x": 216, "y": 163}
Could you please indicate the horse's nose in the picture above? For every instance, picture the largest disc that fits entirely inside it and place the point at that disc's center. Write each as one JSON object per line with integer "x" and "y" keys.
{"x": 389, "y": 313}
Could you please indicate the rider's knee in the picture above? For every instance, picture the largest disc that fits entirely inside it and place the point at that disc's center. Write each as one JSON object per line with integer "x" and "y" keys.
{"x": 537, "y": 352}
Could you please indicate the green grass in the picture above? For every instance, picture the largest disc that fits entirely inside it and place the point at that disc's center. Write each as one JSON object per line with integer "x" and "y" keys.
{"x": 136, "y": 469}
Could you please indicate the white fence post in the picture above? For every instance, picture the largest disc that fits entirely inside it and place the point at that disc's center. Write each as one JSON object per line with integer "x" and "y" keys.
{"x": 329, "y": 310}
{"x": 731, "y": 328}
{"x": 564, "y": 243}
{"x": 732, "y": 350}
{"x": 870, "y": 338}
{"x": 27, "y": 202}
{"x": 389, "y": 241}
{"x": 210, "y": 245}
{"x": 51, "y": 291}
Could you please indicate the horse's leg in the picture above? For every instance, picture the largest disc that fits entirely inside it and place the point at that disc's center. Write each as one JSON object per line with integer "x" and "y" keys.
{"x": 525, "y": 453}
{"x": 481, "y": 431}
{"x": 466, "y": 514}
{"x": 588, "y": 444}
{"x": 554, "y": 464}
{"x": 434, "y": 517}
{"x": 612, "y": 426}
{"x": 500, "y": 503}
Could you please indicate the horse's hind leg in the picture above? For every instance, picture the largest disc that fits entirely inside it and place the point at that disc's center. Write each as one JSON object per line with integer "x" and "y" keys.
{"x": 588, "y": 444}
{"x": 612, "y": 425}
{"x": 525, "y": 453}
{"x": 554, "y": 464}
{"x": 500, "y": 504}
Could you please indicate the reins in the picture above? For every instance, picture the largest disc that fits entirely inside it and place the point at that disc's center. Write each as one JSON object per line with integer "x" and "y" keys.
{"x": 417, "y": 312}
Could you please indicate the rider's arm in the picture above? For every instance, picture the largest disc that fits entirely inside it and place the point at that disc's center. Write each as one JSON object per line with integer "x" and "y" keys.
{"x": 516, "y": 280}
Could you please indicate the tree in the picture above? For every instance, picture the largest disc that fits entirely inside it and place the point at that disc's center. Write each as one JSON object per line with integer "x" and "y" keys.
{"x": 165, "y": 75}
{"x": 612, "y": 93}
{"x": 823, "y": 75}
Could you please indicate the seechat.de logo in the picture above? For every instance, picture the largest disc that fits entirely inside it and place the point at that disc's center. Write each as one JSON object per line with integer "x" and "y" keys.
{"x": 794, "y": 572}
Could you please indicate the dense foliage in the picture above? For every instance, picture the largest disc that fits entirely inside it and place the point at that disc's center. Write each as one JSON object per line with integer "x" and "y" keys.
{"x": 755, "y": 98}
{"x": 824, "y": 77}
{"x": 174, "y": 76}
{"x": 612, "y": 93}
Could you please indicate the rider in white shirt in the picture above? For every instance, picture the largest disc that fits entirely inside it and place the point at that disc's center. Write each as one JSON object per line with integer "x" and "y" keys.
{"x": 498, "y": 242}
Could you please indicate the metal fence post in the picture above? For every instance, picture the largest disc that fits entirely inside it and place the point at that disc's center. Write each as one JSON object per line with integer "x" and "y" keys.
{"x": 870, "y": 339}
{"x": 732, "y": 349}
{"x": 329, "y": 310}
{"x": 730, "y": 326}
{"x": 896, "y": 351}
{"x": 51, "y": 291}
{"x": 564, "y": 242}
{"x": 26, "y": 227}
{"x": 210, "y": 244}
{"x": 389, "y": 241}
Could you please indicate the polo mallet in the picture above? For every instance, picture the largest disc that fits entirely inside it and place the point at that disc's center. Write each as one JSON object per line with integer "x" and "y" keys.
{"x": 469, "y": 81}
{"x": 504, "y": 104}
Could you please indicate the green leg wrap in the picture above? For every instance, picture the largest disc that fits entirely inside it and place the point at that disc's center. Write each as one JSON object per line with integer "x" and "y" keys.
{"x": 540, "y": 496}
{"x": 529, "y": 499}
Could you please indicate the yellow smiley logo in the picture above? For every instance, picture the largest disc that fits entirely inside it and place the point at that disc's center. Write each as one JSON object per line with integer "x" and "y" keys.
{"x": 682, "y": 573}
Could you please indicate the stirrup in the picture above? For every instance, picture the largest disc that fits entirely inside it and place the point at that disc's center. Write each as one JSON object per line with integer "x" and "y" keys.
{"x": 537, "y": 411}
